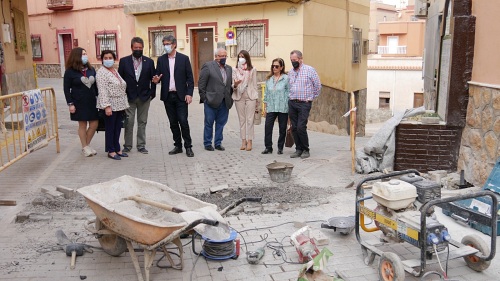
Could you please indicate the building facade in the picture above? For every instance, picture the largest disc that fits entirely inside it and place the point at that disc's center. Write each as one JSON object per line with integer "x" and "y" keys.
{"x": 395, "y": 70}
{"x": 332, "y": 34}
{"x": 379, "y": 12}
{"x": 479, "y": 148}
{"x": 461, "y": 85}
{"x": 19, "y": 74}
{"x": 58, "y": 26}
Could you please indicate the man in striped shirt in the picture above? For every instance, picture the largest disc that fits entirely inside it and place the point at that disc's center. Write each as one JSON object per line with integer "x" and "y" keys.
{"x": 304, "y": 88}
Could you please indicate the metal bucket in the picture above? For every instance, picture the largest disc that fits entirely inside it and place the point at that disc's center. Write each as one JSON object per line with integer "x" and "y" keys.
{"x": 280, "y": 171}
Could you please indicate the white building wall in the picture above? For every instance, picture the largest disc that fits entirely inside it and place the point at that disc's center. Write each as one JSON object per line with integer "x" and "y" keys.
{"x": 401, "y": 77}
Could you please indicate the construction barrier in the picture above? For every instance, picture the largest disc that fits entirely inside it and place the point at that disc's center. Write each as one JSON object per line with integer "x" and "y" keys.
{"x": 28, "y": 121}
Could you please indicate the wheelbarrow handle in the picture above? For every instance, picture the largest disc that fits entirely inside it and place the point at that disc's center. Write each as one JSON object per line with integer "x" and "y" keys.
{"x": 238, "y": 202}
{"x": 155, "y": 204}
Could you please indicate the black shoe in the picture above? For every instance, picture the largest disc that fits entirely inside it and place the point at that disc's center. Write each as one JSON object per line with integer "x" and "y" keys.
{"x": 267, "y": 151}
{"x": 123, "y": 154}
{"x": 209, "y": 148}
{"x": 220, "y": 147}
{"x": 126, "y": 149}
{"x": 142, "y": 150}
{"x": 280, "y": 151}
{"x": 189, "y": 152}
{"x": 296, "y": 154}
{"x": 115, "y": 157}
{"x": 175, "y": 151}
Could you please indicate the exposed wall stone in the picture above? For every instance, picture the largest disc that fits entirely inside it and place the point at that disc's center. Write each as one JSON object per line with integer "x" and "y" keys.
{"x": 18, "y": 82}
{"x": 490, "y": 144}
{"x": 332, "y": 104}
{"x": 480, "y": 150}
{"x": 48, "y": 70}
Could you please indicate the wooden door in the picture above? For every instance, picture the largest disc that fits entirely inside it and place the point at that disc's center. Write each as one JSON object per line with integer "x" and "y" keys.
{"x": 202, "y": 49}
{"x": 67, "y": 45}
{"x": 418, "y": 99}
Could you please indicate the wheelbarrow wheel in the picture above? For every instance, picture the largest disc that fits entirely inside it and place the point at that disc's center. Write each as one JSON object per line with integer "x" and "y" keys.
{"x": 390, "y": 268}
{"x": 473, "y": 261}
{"x": 112, "y": 244}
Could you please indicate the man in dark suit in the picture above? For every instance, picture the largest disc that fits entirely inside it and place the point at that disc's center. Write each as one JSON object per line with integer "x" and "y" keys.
{"x": 215, "y": 86}
{"x": 138, "y": 71}
{"x": 177, "y": 86}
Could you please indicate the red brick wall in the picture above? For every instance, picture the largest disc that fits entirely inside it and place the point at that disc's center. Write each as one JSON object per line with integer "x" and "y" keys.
{"x": 427, "y": 147}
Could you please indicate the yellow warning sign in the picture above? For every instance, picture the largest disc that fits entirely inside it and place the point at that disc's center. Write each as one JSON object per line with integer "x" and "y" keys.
{"x": 386, "y": 221}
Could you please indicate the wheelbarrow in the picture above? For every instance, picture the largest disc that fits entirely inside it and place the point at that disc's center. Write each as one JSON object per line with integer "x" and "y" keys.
{"x": 121, "y": 220}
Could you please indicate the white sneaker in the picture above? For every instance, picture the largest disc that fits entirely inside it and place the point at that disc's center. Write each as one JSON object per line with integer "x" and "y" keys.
{"x": 93, "y": 151}
{"x": 87, "y": 151}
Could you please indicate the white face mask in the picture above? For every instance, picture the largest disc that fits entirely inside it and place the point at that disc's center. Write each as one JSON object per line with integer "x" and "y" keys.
{"x": 108, "y": 63}
{"x": 168, "y": 48}
{"x": 242, "y": 60}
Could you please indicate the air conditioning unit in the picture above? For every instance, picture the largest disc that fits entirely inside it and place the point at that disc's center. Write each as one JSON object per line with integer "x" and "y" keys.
{"x": 421, "y": 8}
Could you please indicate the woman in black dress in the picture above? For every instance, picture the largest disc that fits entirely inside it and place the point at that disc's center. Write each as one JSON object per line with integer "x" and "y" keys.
{"x": 81, "y": 95}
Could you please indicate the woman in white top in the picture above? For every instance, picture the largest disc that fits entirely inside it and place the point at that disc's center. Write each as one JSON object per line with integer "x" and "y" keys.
{"x": 246, "y": 96}
{"x": 112, "y": 99}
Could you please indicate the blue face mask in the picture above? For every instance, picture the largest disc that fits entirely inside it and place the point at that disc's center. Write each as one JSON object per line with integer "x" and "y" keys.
{"x": 85, "y": 59}
{"x": 222, "y": 61}
{"x": 108, "y": 63}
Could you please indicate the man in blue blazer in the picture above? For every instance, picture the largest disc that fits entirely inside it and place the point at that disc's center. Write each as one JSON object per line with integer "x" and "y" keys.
{"x": 177, "y": 86}
{"x": 138, "y": 71}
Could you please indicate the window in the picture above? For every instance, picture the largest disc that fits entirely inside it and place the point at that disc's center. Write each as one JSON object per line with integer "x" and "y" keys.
{"x": 20, "y": 43}
{"x": 384, "y": 99}
{"x": 250, "y": 38}
{"x": 156, "y": 35}
{"x": 105, "y": 40}
{"x": 356, "y": 45}
{"x": 36, "y": 46}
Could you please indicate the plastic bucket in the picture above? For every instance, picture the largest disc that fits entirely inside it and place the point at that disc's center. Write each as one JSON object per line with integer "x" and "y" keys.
{"x": 280, "y": 171}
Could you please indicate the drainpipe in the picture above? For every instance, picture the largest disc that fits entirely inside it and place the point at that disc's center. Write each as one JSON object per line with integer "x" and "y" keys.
{"x": 393, "y": 98}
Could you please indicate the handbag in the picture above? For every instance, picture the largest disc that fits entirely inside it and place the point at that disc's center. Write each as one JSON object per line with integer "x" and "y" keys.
{"x": 289, "y": 142}
{"x": 101, "y": 127}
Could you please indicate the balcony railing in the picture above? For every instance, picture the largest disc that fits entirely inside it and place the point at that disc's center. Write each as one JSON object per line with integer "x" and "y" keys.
{"x": 59, "y": 5}
{"x": 392, "y": 50}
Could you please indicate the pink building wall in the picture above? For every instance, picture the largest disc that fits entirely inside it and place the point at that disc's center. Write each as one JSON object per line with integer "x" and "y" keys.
{"x": 81, "y": 23}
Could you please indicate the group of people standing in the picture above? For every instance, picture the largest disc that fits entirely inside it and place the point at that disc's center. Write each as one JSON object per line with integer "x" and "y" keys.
{"x": 120, "y": 96}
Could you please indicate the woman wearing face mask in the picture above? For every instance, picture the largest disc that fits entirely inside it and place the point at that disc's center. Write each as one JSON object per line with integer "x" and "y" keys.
{"x": 80, "y": 91}
{"x": 113, "y": 100}
{"x": 246, "y": 96}
{"x": 276, "y": 99}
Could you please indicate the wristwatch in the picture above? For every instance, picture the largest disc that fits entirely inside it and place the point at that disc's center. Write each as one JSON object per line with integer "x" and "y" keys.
{"x": 70, "y": 104}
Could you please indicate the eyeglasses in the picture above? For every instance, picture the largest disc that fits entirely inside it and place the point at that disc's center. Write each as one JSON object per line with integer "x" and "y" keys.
{"x": 275, "y": 66}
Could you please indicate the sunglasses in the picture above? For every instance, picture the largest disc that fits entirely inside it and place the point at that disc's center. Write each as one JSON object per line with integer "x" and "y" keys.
{"x": 275, "y": 66}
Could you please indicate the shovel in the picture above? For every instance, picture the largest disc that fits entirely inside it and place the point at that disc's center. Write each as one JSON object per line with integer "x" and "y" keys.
{"x": 220, "y": 232}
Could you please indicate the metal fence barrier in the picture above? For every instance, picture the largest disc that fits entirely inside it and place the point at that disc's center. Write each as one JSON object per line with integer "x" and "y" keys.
{"x": 16, "y": 139}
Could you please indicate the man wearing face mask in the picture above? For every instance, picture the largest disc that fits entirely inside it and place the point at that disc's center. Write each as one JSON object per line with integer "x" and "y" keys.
{"x": 215, "y": 86}
{"x": 138, "y": 71}
{"x": 305, "y": 86}
{"x": 177, "y": 86}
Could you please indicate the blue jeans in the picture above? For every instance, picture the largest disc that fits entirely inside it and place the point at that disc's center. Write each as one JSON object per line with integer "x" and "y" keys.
{"x": 219, "y": 116}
